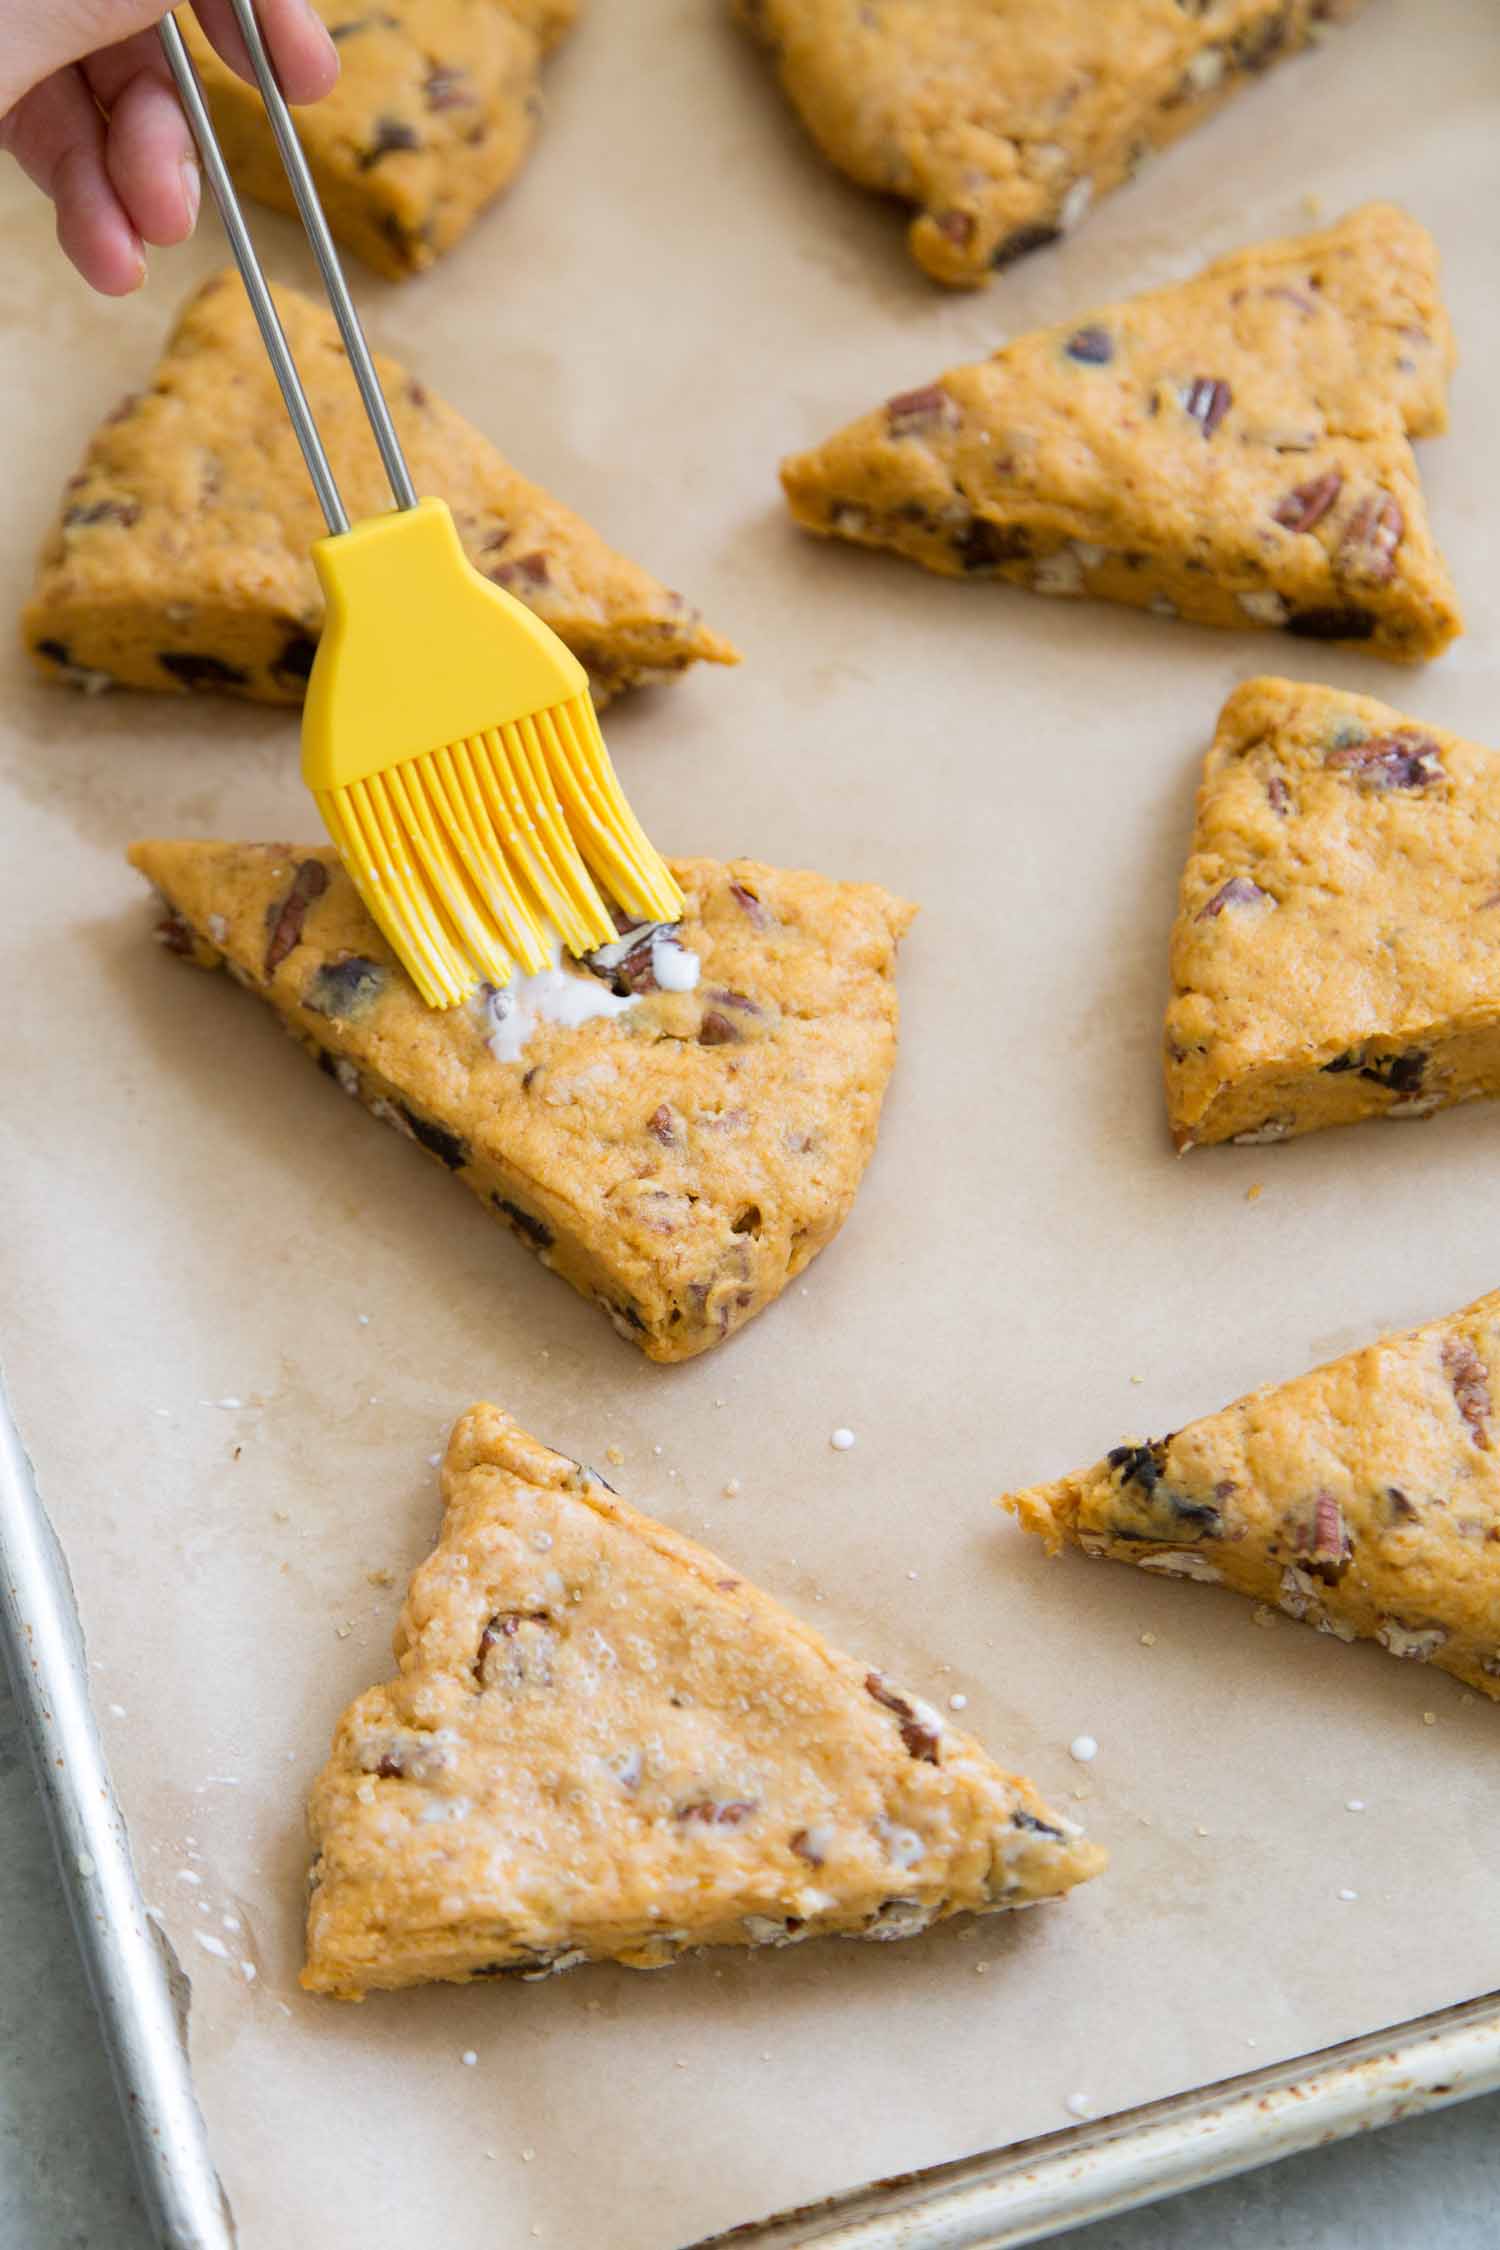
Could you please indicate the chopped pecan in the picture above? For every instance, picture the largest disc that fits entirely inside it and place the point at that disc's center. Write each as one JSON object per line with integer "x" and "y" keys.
{"x": 1238, "y": 891}
{"x": 1206, "y": 400}
{"x": 1418, "y": 1643}
{"x": 1307, "y": 504}
{"x": 662, "y": 1126}
{"x": 1389, "y": 761}
{"x": 1278, "y": 796}
{"x": 1469, "y": 1379}
{"x": 918, "y": 413}
{"x": 284, "y": 921}
{"x": 749, "y": 905}
{"x": 718, "y": 1812}
{"x": 627, "y": 965}
{"x": 1325, "y": 1543}
{"x": 812, "y": 1844}
{"x": 1367, "y": 551}
{"x": 716, "y": 1030}
{"x": 516, "y": 1647}
{"x": 921, "y": 1730}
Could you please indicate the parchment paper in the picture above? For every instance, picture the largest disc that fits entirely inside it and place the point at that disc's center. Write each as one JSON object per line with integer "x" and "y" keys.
{"x": 677, "y": 293}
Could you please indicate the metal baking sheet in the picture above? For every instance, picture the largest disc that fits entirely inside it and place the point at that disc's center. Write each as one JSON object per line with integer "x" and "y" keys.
{"x": 677, "y": 293}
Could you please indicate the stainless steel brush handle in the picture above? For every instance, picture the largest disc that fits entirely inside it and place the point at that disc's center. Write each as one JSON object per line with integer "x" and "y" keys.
{"x": 273, "y": 335}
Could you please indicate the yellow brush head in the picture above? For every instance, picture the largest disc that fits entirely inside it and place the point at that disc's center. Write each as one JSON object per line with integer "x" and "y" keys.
{"x": 451, "y": 743}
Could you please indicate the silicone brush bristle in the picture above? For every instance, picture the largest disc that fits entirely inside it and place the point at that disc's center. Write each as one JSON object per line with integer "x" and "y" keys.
{"x": 467, "y": 857}
{"x": 476, "y": 858}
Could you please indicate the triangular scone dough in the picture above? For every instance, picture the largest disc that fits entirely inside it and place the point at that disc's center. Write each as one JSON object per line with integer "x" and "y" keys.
{"x": 679, "y": 1160}
{"x": 1003, "y": 121}
{"x": 1363, "y": 1498}
{"x": 603, "y": 1744}
{"x": 434, "y": 111}
{"x": 1336, "y": 953}
{"x": 181, "y": 559}
{"x": 1232, "y": 449}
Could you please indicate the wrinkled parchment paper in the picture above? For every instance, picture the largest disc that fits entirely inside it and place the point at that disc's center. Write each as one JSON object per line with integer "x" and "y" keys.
{"x": 238, "y": 1315}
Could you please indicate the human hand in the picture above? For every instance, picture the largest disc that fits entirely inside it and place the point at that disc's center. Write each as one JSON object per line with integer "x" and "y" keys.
{"x": 89, "y": 112}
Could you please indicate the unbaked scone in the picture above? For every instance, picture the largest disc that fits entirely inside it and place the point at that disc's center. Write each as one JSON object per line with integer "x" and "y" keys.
{"x": 1233, "y": 449}
{"x": 434, "y": 111}
{"x": 1336, "y": 953}
{"x": 681, "y": 1154}
{"x": 1002, "y": 121}
{"x": 1363, "y": 1498}
{"x": 602, "y": 1743}
{"x": 181, "y": 558}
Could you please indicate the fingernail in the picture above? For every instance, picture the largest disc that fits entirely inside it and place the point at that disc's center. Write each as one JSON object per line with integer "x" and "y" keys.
{"x": 192, "y": 189}
{"x": 140, "y": 265}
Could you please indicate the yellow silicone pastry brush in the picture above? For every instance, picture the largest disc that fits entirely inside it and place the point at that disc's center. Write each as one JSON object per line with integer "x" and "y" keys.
{"x": 448, "y": 734}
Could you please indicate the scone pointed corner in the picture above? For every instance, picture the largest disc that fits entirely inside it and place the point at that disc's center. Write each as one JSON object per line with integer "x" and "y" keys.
{"x": 1334, "y": 952}
{"x": 735, "y": 1780}
{"x": 1048, "y": 1511}
{"x": 1362, "y": 1498}
{"x": 1234, "y": 450}
{"x": 181, "y": 557}
{"x": 678, "y": 1141}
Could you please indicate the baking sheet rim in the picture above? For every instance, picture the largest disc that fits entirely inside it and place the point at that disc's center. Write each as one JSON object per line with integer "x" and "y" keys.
{"x": 1001, "y": 2196}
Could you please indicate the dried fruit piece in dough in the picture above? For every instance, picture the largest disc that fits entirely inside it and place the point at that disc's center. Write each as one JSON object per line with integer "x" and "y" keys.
{"x": 1002, "y": 121}
{"x": 1233, "y": 449}
{"x": 181, "y": 557}
{"x": 1363, "y": 1498}
{"x": 1336, "y": 953}
{"x": 731, "y": 1779}
{"x": 678, "y": 1150}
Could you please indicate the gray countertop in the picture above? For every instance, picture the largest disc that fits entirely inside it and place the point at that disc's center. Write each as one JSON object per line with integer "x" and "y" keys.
{"x": 65, "y": 2174}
